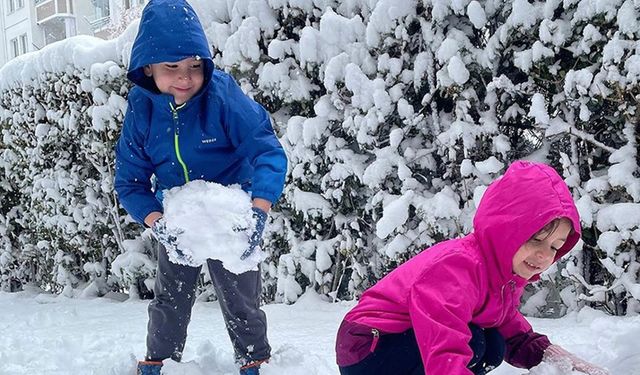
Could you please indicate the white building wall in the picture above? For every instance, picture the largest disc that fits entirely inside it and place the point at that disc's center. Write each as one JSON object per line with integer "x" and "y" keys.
{"x": 37, "y": 39}
{"x": 3, "y": 47}
{"x": 14, "y": 25}
{"x": 84, "y": 12}
{"x": 116, "y": 7}
{"x": 23, "y": 21}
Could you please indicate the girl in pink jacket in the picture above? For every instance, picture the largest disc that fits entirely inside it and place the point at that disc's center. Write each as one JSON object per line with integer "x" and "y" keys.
{"x": 453, "y": 308}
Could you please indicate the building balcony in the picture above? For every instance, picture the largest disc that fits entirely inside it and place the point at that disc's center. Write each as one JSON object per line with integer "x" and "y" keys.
{"x": 47, "y": 10}
{"x": 100, "y": 26}
{"x": 99, "y": 23}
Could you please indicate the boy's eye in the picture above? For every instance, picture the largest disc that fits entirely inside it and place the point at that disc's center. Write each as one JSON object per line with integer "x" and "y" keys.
{"x": 196, "y": 66}
{"x": 170, "y": 66}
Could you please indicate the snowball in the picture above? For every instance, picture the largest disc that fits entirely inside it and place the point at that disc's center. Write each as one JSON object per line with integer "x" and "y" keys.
{"x": 216, "y": 221}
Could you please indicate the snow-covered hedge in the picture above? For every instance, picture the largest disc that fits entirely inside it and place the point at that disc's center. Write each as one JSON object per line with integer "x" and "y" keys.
{"x": 395, "y": 114}
{"x": 62, "y": 110}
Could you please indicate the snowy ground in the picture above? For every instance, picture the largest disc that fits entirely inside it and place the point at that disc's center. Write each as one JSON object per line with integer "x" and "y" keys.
{"x": 45, "y": 335}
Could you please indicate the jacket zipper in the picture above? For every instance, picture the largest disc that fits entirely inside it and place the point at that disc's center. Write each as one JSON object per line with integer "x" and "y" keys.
{"x": 376, "y": 337}
{"x": 510, "y": 284}
{"x": 176, "y": 133}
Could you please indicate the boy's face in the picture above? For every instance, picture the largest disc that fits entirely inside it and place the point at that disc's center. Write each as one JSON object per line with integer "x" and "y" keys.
{"x": 537, "y": 254}
{"x": 182, "y": 79}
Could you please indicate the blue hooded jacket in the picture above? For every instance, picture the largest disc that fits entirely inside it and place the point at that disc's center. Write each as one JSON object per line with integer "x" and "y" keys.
{"x": 218, "y": 135}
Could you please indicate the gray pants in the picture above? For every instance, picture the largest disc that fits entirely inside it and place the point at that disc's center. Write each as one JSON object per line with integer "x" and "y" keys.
{"x": 170, "y": 310}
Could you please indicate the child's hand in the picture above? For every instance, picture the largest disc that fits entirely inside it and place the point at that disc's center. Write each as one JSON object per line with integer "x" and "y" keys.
{"x": 254, "y": 241}
{"x": 557, "y": 354}
{"x": 168, "y": 238}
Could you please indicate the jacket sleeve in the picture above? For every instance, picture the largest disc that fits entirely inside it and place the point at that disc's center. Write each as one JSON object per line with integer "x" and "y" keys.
{"x": 525, "y": 347}
{"x": 249, "y": 128}
{"x": 441, "y": 307}
{"x": 133, "y": 171}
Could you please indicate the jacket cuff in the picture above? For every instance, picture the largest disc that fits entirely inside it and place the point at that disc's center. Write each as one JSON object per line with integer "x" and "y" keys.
{"x": 145, "y": 211}
{"x": 264, "y": 195}
{"x": 526, "y": 349}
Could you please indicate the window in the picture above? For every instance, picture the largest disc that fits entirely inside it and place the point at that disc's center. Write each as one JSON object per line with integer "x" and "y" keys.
{"x": 15, "y": 48}
{"x": 19, "y": 45}
{"x": 101, "y": 8}
{"x": 15, "y": 5}
{"x": 132, "y": 3}
{"x": 24, "y": 44}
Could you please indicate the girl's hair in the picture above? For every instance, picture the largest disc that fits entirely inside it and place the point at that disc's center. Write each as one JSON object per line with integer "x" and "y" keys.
{"x": 548, "y": 229}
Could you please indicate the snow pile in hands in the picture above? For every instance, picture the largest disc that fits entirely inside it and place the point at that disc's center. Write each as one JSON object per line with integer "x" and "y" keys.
{"x": 216, "y": 222}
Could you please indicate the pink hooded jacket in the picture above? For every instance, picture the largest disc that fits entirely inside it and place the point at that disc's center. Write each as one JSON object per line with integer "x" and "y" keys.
{"x": 467, "y": 280}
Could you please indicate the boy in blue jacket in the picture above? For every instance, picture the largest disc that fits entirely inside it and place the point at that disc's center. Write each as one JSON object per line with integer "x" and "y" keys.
{"x": 188, "y": 121}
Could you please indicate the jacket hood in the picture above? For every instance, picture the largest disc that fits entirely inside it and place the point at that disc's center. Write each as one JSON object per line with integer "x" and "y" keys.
{"x": 526, "y": 198}
{"x": 169, "y": 31}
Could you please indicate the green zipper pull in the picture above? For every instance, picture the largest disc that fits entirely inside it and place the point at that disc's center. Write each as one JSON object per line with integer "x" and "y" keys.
{"x": 176, "y": 133}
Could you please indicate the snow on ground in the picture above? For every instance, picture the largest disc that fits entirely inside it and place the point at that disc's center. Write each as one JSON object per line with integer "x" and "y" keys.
{"x": 49, "y": 335}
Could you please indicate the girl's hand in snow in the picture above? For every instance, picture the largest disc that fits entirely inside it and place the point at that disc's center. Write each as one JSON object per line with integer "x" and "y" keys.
{"x": 557, "y": 354}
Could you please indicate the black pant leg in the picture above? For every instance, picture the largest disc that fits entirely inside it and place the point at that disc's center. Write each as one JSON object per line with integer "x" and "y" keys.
{"x": 239, "y": 297}
{"x": 488, "y": 347}
{"x": 170, "y": 310}
{"x": 396, "y": 354}
{"x": 399, "y": 354}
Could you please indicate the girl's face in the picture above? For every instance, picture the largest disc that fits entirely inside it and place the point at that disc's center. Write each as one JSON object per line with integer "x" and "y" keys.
{"x": 537, "y": 254}
{"x": 182, "y": 79}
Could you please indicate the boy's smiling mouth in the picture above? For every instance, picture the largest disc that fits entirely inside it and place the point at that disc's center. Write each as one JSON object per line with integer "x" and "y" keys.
{"x": 532, "y": 266}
